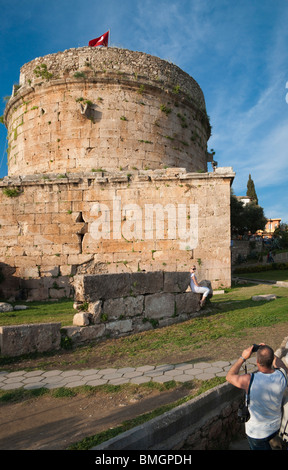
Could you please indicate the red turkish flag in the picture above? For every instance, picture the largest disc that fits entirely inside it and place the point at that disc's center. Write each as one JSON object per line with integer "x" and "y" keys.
{"x": 101, "y": 41}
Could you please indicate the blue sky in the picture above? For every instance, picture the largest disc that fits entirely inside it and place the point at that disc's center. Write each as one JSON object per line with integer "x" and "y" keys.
{"x": 236, "y": 50}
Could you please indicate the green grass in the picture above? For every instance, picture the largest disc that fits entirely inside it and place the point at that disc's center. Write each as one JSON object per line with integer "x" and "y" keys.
{"x": 20, "y": 394}
{"x": 228, "y": 316}
{"x": 40, "y": 312}
{"x": 274, "y": 275}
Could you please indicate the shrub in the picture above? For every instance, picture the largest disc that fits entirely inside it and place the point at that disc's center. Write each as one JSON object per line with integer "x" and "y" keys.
{"x": 261, "y": 267}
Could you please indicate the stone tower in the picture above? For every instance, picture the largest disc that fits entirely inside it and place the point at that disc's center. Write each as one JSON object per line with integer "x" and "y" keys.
{"x": 105, "y": 108}
{"x": 101, "y": 141}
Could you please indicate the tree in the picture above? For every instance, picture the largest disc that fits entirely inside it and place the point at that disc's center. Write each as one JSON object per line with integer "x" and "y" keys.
{"x": 255, "y": 219}
{"x": 281, "y": 235}
{"x": 237, "y": 215}
{"x": 246, "y": 218}
{"x": 251, "y": 192}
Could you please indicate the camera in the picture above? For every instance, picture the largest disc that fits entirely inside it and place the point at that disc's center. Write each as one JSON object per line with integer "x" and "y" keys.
{"x": 255, "y": 347}
{"x": 243, "y": 413}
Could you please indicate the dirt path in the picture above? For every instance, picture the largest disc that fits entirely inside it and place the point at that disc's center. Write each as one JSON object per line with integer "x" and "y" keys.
{"x": 55, "y": 423}
{"x": 49, "y": 423}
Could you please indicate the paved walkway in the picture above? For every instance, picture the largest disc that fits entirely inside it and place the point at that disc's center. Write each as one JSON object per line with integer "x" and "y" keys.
{"x": 74, "y": 378}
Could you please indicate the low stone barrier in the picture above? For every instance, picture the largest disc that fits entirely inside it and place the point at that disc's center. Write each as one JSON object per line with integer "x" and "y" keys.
{"x": 92, "y": 287}
{"x": 125, "y": 316}
{"x": 206, "y": 422}
{"x": 113, "y": 305}
{"x": 23, "y": 339}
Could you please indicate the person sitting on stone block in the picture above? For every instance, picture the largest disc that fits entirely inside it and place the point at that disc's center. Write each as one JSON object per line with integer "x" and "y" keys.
{"x": 196, "y": 288}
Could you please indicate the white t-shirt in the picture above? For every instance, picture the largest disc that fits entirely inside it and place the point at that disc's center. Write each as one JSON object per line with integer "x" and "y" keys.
{"x": 266, "y": 395}
{"x": 192, "y": 283}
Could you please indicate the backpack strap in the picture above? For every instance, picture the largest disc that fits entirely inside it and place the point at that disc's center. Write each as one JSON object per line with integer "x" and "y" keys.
{"x": 248, "y": 394}
{"x": 284, "y": 373}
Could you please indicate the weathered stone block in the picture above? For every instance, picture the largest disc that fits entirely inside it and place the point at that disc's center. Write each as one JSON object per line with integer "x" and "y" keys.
{"x": 5, "y": 307}
{"x": 105, "y": 286}
{"x": 81, "y": 319}
{"x": 80, "y": 334}
{"x": 95, "y": 311}
{"x": 119, "y": 328}
{"x": 123, "y": 307}
{"x": 35, "y": 295}
{"x": 78, "y": 288}
{"x": 264, "y": 297}
{"x": 30, "y": 272}
{"x": 114, "y": 308}
{"x": 25, "y": 339}
{"x": 188, "y": 302}
{"x": 133, "y": 306}
{"x": 58, "y": 293}
{"x": 110, "y": 286}
{"x": 146, "y": 283}
{"x": 159, "y": 305}
{"x": 176, "y": 281}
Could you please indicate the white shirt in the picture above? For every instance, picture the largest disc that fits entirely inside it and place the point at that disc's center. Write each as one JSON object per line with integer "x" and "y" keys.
{"x": 192, "y": 283}
{"x": 266, "y": 395}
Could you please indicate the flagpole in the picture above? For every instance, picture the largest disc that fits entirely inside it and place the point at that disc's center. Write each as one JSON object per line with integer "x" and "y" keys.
{"x": 109, "y": 40}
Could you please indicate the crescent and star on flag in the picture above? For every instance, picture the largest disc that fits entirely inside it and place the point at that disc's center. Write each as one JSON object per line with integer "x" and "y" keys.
{"x": 100, "y": 41}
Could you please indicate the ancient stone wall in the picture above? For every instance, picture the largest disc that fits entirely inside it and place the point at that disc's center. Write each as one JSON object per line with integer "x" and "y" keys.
{"x": 114, "y": 305}
{"x": 92, "y": 108}
{"x": 55, "y": 226}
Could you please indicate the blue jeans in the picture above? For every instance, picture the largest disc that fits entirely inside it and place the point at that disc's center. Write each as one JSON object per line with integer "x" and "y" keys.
{"x": 261, "y": 444}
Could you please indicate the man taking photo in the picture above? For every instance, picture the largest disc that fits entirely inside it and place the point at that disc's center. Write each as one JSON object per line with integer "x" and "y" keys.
{"x": 267, "y": 388}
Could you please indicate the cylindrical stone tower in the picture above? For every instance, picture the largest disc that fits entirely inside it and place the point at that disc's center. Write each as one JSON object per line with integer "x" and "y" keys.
{"x": 92, "y": 109}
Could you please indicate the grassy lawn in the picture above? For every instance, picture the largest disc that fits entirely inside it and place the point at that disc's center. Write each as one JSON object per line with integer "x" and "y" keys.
{"x": 227, "y": 316}
{"x": 275, "y": 275}
{"x": 40, "y": 312}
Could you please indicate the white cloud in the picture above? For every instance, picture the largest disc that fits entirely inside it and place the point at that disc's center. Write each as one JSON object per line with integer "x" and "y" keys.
{"x": 271, "y": 163}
